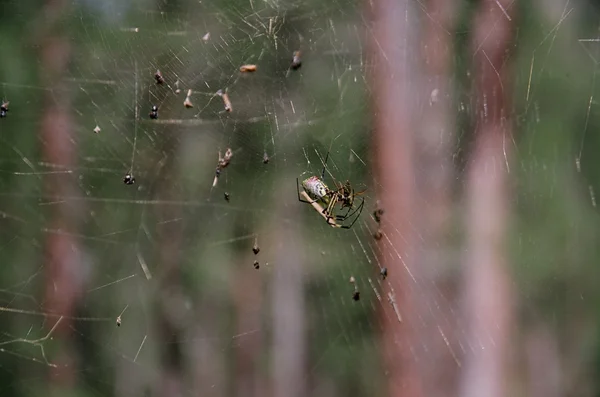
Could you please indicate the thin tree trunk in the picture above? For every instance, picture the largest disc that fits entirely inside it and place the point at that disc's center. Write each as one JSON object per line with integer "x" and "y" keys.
{"x": 170, "y": 296}
{"x": 62, "y": 256}
{"x": 392, "y": 46}
{"x": 247, "y": 297}
{"x": 440, "y": 361}
{"x": 488, "y": 297}
{"x": 289, "y": 313}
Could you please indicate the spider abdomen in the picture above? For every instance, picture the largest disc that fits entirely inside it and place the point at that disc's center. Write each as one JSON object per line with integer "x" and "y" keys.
{"x": 316, "y": 188}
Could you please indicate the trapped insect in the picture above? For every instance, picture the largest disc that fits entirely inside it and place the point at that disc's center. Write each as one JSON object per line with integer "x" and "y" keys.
{"x": 226, "y": 196}
{"x": 4, "y": 109}
{"x": 317, "y": 192}
{"x": 159, "y": 77}
{"x": 266, "y": 158}
{"x": 296, "y": 61}
{"x": 378, "y": 213}
{"x": 256, "y": 248}
{"x": 154, "y": 112}
{"x": 128, "y": 179}
{"x": 256, "y": 265}
{"x": 383, "y": 273}
{"x": 356, "y": 293}
{"x": 378, "y": 235}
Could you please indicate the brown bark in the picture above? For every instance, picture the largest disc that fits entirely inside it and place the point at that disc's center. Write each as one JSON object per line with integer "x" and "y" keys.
{"x": 61, "y": 257}
{"x": 440, "y": 361}
{"x": 391, "y": 46}
{"x": 488, "y": 298}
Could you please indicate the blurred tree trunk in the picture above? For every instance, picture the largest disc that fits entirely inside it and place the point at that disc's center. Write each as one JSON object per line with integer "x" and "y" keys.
{"x": 488, "y": 299}
{"x": 247, "y": 297}
{"x": 62, "y": 257}
{"x": 170, "y": 300}
{"x": 434, "y": 265}
{"x": 392, "y": 48}
{"x": 288, "y": 311}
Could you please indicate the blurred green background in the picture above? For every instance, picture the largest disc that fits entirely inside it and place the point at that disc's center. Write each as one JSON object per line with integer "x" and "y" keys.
{"x": 201, "y": 320}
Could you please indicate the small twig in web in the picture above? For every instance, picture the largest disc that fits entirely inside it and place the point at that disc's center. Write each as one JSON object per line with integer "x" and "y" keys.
{"x": 36, "y": 342}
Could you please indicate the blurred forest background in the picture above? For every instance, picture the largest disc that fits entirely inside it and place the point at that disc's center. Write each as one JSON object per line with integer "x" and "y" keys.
{"x": 471, "y": 123}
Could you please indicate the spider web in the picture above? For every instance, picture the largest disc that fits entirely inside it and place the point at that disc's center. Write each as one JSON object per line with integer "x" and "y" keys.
{"x": 171, "y": 246}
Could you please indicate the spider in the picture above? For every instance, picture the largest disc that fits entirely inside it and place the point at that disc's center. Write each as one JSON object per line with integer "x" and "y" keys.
{"x": 320, "y": 193}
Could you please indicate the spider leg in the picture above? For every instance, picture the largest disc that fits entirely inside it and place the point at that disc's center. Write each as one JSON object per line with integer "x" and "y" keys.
{"x": 346, "y": 215}
{"x": 359, "y": 210}
{"x": 330, "y": 206}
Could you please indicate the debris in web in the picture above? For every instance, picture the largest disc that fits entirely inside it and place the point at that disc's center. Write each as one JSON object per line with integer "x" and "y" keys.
{"x": 226, "y": 101}
{"x": 119, "y": 316}
{"x": 177, "y": 89}
{"x": 154, "y": 112}
{"x": 256, "y": 248}
{"x": 248, "y": 68}
{"x": 356, "y": 293}
{"x": 383, "y": 272}
{"x": 378, "y": 212}
{"x": 226, "y": 196}
{"x": 206, "y": 37}
{"x": 4, "y": 109}
{"x": 97, "y": 129}
{"x": 265, "y": 158}
{"x": 128, "y": 179}
{"x": 159, "y": 77}
{"x": 222, "y": 163}
{"x": 188, "y": 102}
{"x": 256, "y": 265}
{"x": 296, "y": 61}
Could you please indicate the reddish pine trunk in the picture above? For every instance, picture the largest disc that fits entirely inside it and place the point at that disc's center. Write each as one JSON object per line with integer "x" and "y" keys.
{"x": 488, "y": 298}
{"x": 434, "y": 257}
{"x": 391, "y": 43}
{"x": 61, "y": 253}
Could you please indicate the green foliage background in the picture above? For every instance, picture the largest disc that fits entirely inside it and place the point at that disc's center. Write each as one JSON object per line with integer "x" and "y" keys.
{"x": 555, "y": 228}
